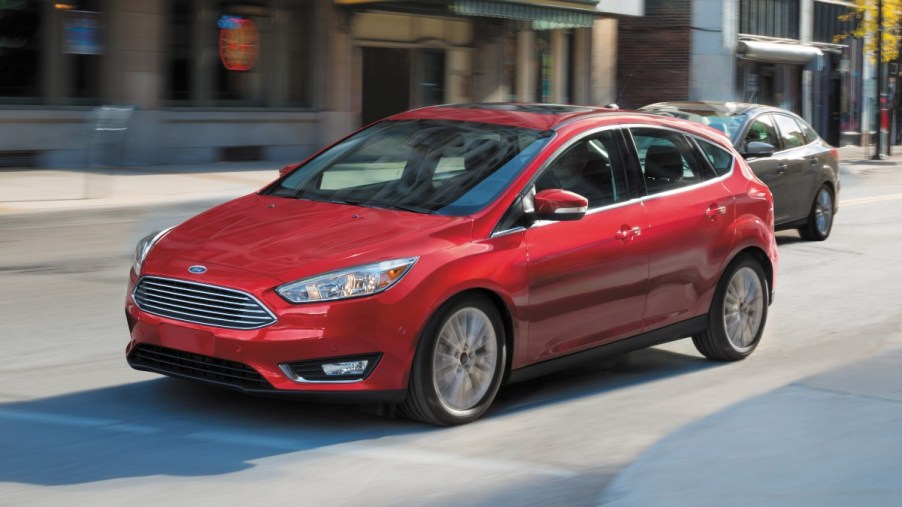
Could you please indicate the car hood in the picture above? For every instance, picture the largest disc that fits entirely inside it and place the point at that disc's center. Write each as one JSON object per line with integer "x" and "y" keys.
{"x": 287, "y": 239}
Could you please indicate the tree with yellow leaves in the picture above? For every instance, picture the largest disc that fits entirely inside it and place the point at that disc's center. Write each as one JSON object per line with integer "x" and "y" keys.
{"x": 866, "y": 13}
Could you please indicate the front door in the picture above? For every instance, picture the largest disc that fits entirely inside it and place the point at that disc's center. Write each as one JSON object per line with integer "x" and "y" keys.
{"x": 587, "y": 278}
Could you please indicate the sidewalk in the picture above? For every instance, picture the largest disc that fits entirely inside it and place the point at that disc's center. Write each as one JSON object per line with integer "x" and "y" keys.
{"x": 47, "y": 190}
{"x": 864, "y": 155}
{"x": 72, "y": 190}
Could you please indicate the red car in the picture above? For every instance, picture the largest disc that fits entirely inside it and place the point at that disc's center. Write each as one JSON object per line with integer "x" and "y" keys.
{"x": 433, "y": 256}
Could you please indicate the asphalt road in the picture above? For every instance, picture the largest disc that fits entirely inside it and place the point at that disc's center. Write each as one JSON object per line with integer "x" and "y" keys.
{"x": 78, "y": 426}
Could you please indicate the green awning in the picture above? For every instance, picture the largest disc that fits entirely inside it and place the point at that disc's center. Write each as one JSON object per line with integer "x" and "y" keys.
{"x": 576, "y": 14}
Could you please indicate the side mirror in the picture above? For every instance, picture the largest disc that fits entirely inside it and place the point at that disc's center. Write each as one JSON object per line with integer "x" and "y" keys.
{"x": 758, "y": 149}
{"x": 287, "y": 169}
{"x": 560, "y": 205}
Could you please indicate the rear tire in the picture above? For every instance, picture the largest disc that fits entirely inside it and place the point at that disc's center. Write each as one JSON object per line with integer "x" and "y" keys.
{"x": 738, "y": 313}
{"x": 820, "y": 218}
{"x": 459, "y": 363}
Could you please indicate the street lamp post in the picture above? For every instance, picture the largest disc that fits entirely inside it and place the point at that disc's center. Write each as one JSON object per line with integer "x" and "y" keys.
{"x": 878, "y": 117}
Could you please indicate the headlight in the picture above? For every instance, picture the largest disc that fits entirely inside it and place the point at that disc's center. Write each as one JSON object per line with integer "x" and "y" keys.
{"x": 347, "y": 283}
{"x": 144, "y": 247}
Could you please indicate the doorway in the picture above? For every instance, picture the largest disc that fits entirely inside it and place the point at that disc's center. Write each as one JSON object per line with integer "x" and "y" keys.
{"x": 386, "y": 82}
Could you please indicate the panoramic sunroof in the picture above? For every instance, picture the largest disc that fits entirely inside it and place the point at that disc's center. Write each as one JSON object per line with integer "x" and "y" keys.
{"x": 525, "y": 108}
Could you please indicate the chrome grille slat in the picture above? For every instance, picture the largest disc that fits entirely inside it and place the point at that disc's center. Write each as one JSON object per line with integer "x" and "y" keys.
{"x": 246, "y": 308}
{"x": 200, "y": 303}
{"x": 165, "y": 309}
{"x": 152, "y": 282}
{"x": 155, "y": 289}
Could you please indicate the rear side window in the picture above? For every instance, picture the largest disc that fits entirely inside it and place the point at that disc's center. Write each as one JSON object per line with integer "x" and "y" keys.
{"x": 790, "y": 132}
{"x": 810, "y": 135}
{"x": 667, "y": 159}
{"x": 721, "y": 159}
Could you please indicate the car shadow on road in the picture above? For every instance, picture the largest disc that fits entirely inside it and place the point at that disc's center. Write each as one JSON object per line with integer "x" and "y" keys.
{"x": 172, "y": 427}
{"x": 647, "y": 365}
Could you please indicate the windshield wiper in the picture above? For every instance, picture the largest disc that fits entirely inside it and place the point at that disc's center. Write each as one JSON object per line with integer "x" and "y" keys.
{"x": 402, "y": 207}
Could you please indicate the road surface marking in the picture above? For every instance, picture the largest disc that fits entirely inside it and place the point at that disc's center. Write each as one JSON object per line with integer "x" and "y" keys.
{"x": 869, "y": 200}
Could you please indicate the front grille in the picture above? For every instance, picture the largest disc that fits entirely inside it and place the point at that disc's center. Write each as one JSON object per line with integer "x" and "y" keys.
{"x": 201, "y": 304}
{"x": 198, "y": 367}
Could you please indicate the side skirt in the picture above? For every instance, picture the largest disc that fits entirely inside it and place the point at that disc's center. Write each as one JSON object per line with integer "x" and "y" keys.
{"x": 658, "y": 336}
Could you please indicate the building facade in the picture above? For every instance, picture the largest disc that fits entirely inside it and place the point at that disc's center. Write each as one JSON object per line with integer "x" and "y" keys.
{"x": 199, "y": 81}
{"x": 785, "y": 53}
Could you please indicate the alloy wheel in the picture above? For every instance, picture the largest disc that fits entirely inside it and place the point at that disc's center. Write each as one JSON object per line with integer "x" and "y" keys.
{"x": 743, "y": 308}
{"x": 465, "y": 359}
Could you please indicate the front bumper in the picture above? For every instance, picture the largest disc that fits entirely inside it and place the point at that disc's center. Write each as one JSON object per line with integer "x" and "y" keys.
{"x": 253, "y": 360}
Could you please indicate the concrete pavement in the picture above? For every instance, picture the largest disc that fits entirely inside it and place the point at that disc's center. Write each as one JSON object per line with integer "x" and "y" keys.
{"x": 74, "y": 190}
{"x": 832, "y": 439}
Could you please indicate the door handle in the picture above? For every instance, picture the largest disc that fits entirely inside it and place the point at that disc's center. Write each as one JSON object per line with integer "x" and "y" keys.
{"x": 781, "y": 169}
{"x": 714, "y": 211}
{"x": 812, "y": 161}
{"x": 626, "y": 232}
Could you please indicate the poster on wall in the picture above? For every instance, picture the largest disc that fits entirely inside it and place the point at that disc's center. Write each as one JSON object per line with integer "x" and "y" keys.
{"x": 83, "y": 33}
{"x": 238, "y": 43}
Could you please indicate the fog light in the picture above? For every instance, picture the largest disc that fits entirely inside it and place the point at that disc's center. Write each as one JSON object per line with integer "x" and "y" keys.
{"x": 346, "y": 367}
{"x": 331, "y": 369}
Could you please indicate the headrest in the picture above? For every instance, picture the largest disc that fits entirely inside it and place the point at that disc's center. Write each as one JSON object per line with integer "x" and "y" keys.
{"x": 663, "y": 162}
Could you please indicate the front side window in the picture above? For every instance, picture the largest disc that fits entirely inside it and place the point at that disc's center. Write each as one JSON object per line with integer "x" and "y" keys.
{"x": 449, "y": 168}
{"x": 762, "y": 130}
{"x": 667, "y": 159}
{"x": 592, "y": 168}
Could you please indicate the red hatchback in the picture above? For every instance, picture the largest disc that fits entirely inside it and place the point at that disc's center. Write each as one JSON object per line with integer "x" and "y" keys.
{"x": 430, "y": 257}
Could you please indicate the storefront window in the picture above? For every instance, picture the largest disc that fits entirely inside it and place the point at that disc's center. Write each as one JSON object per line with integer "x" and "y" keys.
{"x": 509, "y": 65}
{"x": 83, "y": 47}
{"x": 240, "y": 53}
{"x": 21, "y": 25}
{"x": 543, "y": 64}
{"x": 242, "y": 33}
{"x": 300, "y": 78}
{"x": 180, "y": 37}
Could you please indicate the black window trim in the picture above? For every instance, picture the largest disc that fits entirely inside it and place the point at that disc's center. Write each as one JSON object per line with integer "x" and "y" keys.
{"x": 703, "y": 161}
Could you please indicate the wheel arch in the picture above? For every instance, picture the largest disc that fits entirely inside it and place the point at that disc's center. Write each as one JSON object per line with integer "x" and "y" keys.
{"x": 766, "y": 264}
{"x": 507, "y": 319}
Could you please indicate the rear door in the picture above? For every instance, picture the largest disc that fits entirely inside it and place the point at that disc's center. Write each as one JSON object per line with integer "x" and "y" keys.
{"x": 796, "y": 191}
{"x": 689, "y": 212}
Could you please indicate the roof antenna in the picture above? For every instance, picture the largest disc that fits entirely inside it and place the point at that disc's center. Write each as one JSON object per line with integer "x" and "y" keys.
{"x": 620, "y": 95}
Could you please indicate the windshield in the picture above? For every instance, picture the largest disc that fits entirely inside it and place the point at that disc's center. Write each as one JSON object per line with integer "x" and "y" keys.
{"x": 426, "y": 166}
{"x": 726, "y": 122}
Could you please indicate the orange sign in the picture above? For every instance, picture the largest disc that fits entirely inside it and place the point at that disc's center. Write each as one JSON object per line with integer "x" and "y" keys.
{"x": 238, "y": 43}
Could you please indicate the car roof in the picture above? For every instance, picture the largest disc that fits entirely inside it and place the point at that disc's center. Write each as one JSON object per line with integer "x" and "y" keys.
{"x": 536, "y": 116}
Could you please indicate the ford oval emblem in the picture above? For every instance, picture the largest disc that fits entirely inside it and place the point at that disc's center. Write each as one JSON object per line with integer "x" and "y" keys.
{"x": 197, "y": 269}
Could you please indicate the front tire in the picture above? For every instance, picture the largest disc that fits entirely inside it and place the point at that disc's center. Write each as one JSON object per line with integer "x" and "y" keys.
{"x": 458, "y": 364}
{"x": 820, "y": 218}
{"x": 738, "y": 313}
